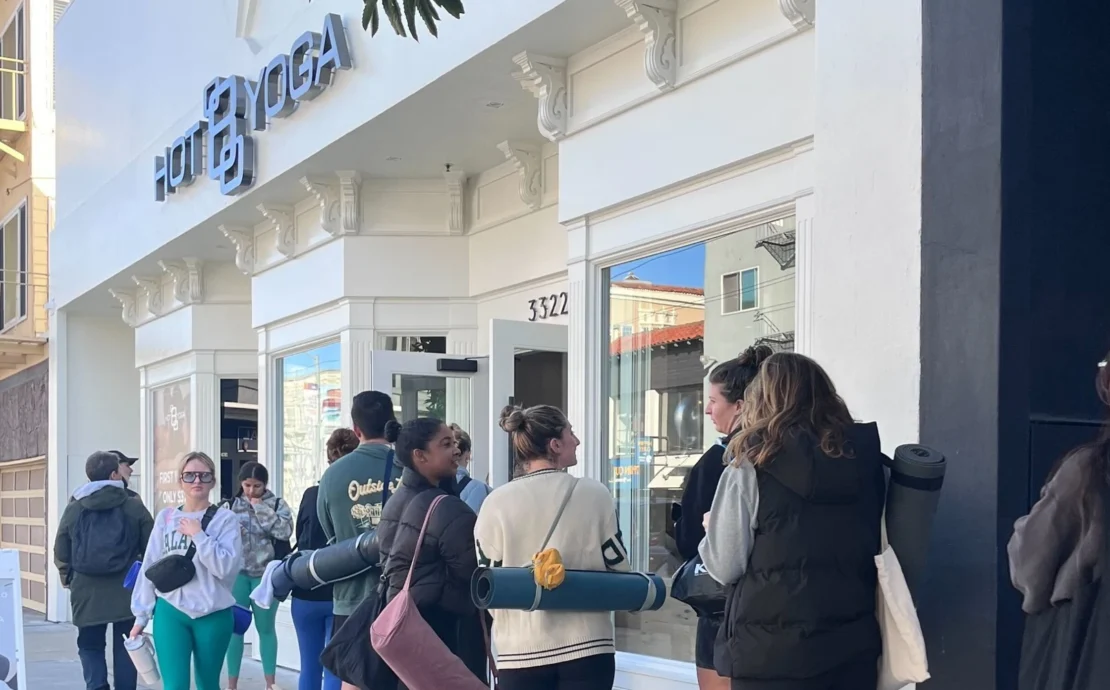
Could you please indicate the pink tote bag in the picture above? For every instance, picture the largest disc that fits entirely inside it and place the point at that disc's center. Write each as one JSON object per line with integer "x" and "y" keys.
{"x": 405, "y": 641}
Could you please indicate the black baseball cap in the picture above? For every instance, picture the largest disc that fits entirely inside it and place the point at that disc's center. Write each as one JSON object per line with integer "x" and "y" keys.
{"x": 123, "y": 459}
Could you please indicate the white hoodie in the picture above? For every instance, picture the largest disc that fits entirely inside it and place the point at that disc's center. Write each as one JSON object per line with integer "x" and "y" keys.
{"x": 218, "y": 559}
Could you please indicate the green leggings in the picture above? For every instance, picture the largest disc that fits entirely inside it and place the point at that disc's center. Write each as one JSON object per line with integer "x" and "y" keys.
{"x": 177, "y": 637}
{"x": 263, "y": 624}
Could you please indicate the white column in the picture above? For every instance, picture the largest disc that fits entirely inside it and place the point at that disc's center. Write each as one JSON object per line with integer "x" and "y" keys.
{"x": 804, "y": 210}
{"x": 269, "y": 445}
{"x": 356, "y": 349}
{"x": 145, "y": 484}
{"x": 57, "y": 475}
{"x": 461, "y": 398}
{"x": 205, "y": 409}
{"x": 584, "y": 367}
{"x": 866, "y": 289}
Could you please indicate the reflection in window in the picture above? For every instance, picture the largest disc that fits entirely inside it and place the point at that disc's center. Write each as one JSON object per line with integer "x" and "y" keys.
{"x": 672, "y": 318}
{"x": 311, "y": 399}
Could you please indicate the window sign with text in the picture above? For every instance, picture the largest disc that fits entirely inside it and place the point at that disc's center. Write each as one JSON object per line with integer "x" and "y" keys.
{"x": 171, "y": 441}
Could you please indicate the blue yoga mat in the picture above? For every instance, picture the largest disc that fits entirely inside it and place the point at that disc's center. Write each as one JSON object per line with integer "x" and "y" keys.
{"x": 582, "y": 590}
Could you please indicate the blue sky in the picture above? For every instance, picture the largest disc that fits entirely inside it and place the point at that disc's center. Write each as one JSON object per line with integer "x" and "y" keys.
{"x": 683, "y": 267}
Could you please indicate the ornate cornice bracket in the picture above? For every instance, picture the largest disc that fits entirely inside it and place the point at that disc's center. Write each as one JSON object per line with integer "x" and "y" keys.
{"x": 150, "y": 289}
{"x": 128, "y": 299}
{"x": 456, "y": 202}
{"x": 285, "y": 226}
{"x": 326, "y": 194}
{"x": 340, "y": 213}
{"x": 188, "y": 286}
{"x": 546, "y": 78}
{"x": 801, "y": 13}
{"x": 243, "y": 240}
{"x": 526, "y": 159}
{"x": 350, "y": 201}
{"x": 658, "y": 21}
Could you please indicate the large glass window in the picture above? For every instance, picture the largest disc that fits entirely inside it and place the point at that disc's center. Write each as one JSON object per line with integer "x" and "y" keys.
{"x": 311, "y": 399}
{"x": 172, "y": 440}
{"x": 672, "y": 318}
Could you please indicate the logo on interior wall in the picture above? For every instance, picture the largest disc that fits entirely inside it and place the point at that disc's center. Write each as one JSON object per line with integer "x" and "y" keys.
{"x": 221, "y": 145}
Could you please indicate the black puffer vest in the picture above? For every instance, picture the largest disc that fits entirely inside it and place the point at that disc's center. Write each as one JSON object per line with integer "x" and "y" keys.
{"x": 806, "y": 604}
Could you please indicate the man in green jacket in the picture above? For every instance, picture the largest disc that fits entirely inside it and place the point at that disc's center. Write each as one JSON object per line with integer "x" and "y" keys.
{"x": 103, "y": 531}
{"x": 352, "y": 492}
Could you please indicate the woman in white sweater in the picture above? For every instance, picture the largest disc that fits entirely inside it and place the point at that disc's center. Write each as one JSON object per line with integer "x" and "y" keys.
{"x": 193, "y": 623}
{"x": 550, "y": 650}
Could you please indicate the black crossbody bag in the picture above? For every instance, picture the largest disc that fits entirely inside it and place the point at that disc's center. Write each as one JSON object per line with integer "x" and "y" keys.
{"x": 177, "y": 570}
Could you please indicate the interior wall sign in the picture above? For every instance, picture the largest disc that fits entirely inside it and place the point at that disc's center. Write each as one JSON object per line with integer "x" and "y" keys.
{"x": 233, "y": 107}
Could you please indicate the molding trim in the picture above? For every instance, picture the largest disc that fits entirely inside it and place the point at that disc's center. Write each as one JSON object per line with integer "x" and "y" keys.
{"x": 128, "y": 299}
{"x": 244, "y": 17}
{"x": 151, "y": 290}
{"x": 658, "y": 21}
{"x": 801, "y": 13}
{"x": 243, "y": 239}
{"x": 526, "y": 159}
{"x": 456, "y": 202}
{"x": 546, "y": 78}
{"x": 350, "y": 201}
{"x": 188, "y": 286}
{"x": 281, "y": 217}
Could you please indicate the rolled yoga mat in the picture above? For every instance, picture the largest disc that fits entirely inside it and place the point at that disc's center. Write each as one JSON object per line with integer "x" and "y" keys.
{"x": 312, "y": 569}
{"x": 916, "y": 477}
{"x": 582, "y": 590}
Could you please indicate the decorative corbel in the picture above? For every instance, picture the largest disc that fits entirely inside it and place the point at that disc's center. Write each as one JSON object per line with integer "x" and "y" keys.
{"x": 350, "y": 201}
{"x": 526, "y": 159}
{"x": 128, "y": 299}
{"x": 243, "y": 239}
{"x": 658, "y": 21}
{"x": 188, "y": 287}
{"x": 326, "y": 194}
{"x": 546, "y": 78}
{"x": 456, "y": 202}
{"x": 801, "y": 13}
{"x": 151, "y": 289}
{"x": 285, "y": 228}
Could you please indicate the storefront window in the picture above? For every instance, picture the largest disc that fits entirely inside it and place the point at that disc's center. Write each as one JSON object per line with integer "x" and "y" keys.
{"x": 172, "y": 440}
{"x": 310, "y": 410}
{"x": 672, "y": 318}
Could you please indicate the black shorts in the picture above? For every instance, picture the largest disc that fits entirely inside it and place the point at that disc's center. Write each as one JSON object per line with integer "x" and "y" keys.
{"x": 337, "y": 623}
{"x": 704, "y": 640}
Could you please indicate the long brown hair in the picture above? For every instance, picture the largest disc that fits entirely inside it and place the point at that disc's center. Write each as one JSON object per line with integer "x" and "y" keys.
{"x": 1098, "y": 468}
{"x": 791, "y": 394}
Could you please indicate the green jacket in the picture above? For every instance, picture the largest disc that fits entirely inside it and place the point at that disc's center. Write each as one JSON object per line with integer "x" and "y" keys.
{"x": 99, "y": 599}
{"x": 350, "y": 503}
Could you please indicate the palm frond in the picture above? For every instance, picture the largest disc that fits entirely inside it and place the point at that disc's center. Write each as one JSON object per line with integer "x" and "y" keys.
{"x": 401, "y": 15}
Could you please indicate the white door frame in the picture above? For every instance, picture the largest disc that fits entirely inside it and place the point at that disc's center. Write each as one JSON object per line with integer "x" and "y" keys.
{"x": 506, "y": 338}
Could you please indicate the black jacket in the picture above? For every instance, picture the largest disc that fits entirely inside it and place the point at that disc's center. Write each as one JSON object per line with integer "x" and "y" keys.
{"x": 310, "y": 536}
{"x": 806, "y": 604}
{"x": 697, "y": 498}
{"x": 441, "y": 582}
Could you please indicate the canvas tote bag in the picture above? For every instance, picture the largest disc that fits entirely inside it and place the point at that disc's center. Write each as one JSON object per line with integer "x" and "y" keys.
{"x": 405, "y": 641}
{"x": 904, "y": 662}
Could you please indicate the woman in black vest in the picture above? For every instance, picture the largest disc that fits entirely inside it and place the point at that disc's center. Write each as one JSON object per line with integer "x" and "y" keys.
{"x": 793, "y": 532}
{"x": 727, "y": 384}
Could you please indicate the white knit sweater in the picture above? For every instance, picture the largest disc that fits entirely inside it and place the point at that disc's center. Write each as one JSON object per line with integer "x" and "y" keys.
{"x": 511, "y": 527}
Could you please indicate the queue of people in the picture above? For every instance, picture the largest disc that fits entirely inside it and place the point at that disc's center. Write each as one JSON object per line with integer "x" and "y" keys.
{"x": 785, "y": 512}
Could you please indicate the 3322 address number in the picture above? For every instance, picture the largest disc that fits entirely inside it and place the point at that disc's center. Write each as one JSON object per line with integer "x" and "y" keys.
{"x": 547, "y": 307}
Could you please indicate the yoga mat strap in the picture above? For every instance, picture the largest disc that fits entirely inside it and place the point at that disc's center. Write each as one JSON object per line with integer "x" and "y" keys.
{"x": 559, "y": 514}
{"x": 650, "y": 593}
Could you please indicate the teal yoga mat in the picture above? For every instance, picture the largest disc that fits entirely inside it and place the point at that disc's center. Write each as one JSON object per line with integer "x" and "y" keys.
{"x": 582, "y": 590}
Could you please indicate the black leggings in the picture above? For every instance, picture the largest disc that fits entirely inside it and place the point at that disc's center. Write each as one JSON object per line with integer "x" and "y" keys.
{"x": 859, "y": 674}
{"x": 590, "y": 673}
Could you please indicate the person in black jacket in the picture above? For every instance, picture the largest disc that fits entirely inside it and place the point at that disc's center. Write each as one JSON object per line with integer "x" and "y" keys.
{"x": 312, "y": 609}
{"x": 793, "y": 532}
{"x": 727, "y": 384}
{"x": 441, "y": 581}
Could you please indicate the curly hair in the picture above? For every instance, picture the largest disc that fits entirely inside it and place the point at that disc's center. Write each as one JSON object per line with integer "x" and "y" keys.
{"x": 792, "y": 394}
{"x": 341, "y": 442}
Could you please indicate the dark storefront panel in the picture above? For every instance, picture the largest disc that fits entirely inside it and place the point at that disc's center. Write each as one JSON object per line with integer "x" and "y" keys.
{"x": 24, "y": 411}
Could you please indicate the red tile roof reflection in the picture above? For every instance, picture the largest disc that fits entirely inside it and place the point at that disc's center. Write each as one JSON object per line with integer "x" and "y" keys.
{"x": 658, "y": 337}
{"x": 637, "y": 285}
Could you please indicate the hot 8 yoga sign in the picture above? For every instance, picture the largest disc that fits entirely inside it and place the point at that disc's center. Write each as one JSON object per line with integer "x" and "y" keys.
{"x": 221, "y": 145}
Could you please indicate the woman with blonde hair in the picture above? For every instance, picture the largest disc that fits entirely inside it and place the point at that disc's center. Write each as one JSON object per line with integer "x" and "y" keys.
{"x": 550, "y": 650}
{"x": 800, "y": 613}
{"x": 194, "y": 554}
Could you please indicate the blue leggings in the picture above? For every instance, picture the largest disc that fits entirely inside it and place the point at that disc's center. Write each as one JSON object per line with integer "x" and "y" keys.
{"x": 312, "y": 620}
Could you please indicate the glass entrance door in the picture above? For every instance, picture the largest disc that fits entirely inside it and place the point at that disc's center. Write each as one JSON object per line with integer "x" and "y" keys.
{"x": 420, "y": 389}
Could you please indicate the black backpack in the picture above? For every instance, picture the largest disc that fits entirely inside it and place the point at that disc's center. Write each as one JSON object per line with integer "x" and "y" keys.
{"x": 104, "y": 542}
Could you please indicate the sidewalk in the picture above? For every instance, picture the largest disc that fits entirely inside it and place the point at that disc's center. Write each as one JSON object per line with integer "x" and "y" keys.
{"x": 52, "y": 659}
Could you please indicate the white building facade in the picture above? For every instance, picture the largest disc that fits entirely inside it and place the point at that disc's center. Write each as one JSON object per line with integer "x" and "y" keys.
{"x": 586, "y": 203}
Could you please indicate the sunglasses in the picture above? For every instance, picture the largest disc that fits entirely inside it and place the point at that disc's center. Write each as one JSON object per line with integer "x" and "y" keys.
{"x": 194, "y": 477}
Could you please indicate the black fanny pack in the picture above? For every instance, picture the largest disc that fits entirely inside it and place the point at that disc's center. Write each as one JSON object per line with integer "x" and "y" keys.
{"x": 176, "y": 570}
